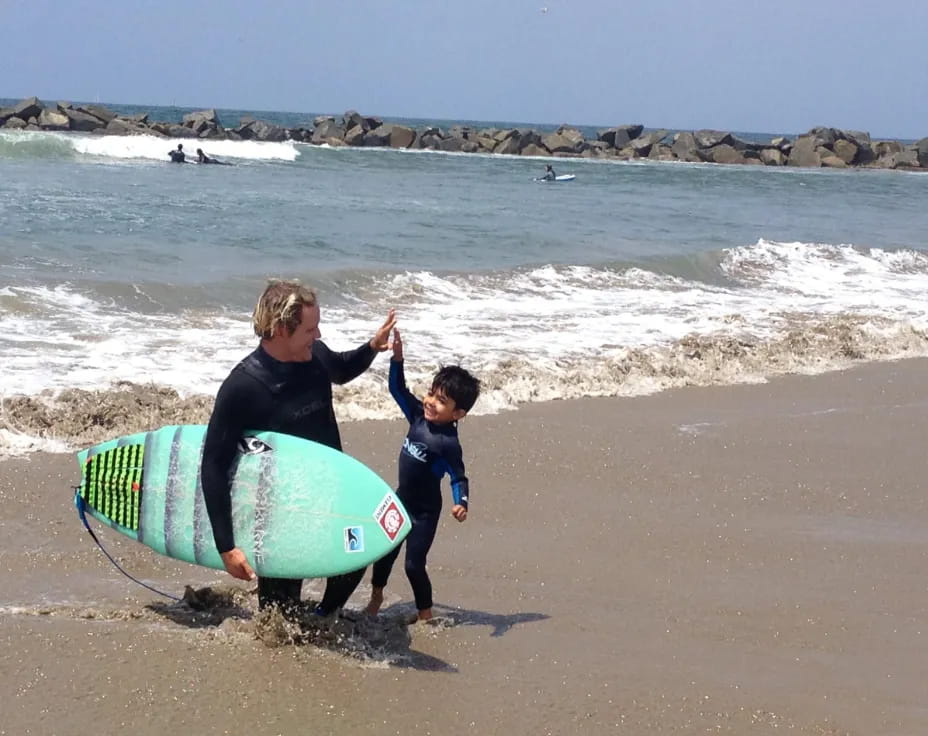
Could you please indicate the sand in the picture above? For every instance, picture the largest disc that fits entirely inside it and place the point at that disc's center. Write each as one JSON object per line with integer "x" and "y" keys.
{"x": 742, "y": 560}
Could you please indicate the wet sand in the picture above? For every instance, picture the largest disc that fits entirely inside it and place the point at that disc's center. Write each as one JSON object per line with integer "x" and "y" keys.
{"x": 743, "y": 560}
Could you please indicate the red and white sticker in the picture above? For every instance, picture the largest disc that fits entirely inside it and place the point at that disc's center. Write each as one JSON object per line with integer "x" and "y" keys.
{"x": 389, "y": 516}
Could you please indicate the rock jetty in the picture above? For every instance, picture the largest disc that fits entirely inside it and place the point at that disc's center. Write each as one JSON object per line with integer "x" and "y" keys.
{"x": 820, "y": 147}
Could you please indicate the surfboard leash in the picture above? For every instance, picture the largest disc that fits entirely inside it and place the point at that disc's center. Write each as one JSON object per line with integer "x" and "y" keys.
{"x": 82, "y": 513}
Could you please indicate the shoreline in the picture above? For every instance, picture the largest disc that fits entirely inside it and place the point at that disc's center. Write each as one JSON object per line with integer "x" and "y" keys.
{"x": 747, "y": 559}
{"x": 820, "y": 147}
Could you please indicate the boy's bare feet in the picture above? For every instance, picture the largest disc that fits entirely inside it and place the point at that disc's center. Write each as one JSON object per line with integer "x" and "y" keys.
{"x": 376, "y": 601}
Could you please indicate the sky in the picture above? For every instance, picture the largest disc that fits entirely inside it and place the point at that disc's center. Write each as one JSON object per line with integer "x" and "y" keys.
{"x": 752, "y": 66}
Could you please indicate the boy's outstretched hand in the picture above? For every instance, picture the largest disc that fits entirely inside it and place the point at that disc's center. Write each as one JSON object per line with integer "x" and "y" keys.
{"x": 459, "y": 512}
{"x": 397, "y": 345}
{"x": 381, "y": 339}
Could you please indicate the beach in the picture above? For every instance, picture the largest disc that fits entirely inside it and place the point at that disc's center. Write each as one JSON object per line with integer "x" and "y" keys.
{"x": 742, "y": 559}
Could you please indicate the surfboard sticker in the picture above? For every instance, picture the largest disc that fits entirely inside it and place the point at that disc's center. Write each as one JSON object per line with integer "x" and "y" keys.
{"x": 389, "y": 516}
{"x": 354, "y": 539}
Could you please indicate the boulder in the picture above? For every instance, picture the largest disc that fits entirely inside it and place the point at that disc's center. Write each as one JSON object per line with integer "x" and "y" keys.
{"x": 709, "y": 138}
{"x": 561, "y": 143}
{"x": 372, "y": 123}
{"x": 464, "y": 132}
{"x": 824, "y": 136}
{"x": 533, "y": 149}
{"x": 661, "y": 152}
{"x": 161, "y": 128}
{"x": 196, "y": 119}
{"x": 859, "y": 138}
{"x": 118, "y": 126}
{"x": 527, "y": 137}
{"x": 379, "y": 136}
{"x": 319, "y": 120}
{"x": 28, "y": 108}
{"x": 921, "y": 152}
{"x": 5, "y": 114}
{"x": 804, "y": 153}
{"x": 642, "y": 144}
{"x": 899, "y": 160}
{"x": 773, "y": 157}
{"x": 596, "y": 149}
{"x": 832, "y": 160}
{"x": 884, "y": 149}
{"x": 334, "y": 142}
{"x": 354, "y": 136}
{"x": 402, "y": 137}
{"x": 725, "y": 153}
{"x": 451, "y": 143}
{"x": 430, "y": 138}
{"x": 685, "y": 148}
{"x": 98, "y": 111}
{"x": 326, "y": 128}
{"x": 351, "y": 119}
{"x": 621, "y": 135}
{"x": 845, "y": 150}
{"x": 739, "y": 144}
{"x": 486, "y": 143}
{"x": 53, "y": 120}
{"x": 64, "y": 106}
{"x": 511, "y": 146}
{"x": 82, "y": 121}
{"x": 15, "y": 123}
{"x": 266, "y": 132}
{"x": 174, "y": 130}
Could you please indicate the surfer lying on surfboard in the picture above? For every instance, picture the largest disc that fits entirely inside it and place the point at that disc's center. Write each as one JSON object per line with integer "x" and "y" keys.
{"x": 284, "y": 385}
{"x": 202, "y": 158}
{"x": 430, "y": 450}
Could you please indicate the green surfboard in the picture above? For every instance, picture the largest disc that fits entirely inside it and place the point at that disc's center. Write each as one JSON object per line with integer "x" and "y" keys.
{"x": 299, "y": 509}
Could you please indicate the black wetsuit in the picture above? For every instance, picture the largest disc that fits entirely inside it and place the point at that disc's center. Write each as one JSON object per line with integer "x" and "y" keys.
{"x": 429, "y": 451}
{"x": 549, "y": 175}
{"x": 264, "y": 394}
{"x": 177, "y": 156}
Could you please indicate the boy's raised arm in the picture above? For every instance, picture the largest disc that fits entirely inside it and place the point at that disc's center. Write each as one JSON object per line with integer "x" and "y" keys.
{"x": 409, "y": 404}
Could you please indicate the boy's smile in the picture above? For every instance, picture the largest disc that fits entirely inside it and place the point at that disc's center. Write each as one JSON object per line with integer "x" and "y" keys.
{"x": 439, "y": 409}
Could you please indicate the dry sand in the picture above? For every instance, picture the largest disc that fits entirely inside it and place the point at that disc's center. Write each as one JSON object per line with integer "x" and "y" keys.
{"x": 742, "y": 560}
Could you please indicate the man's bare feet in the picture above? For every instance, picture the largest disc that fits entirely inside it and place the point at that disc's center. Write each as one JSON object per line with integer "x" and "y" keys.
{"x": 425, "y": 614}
{"x": 376, "y": 601}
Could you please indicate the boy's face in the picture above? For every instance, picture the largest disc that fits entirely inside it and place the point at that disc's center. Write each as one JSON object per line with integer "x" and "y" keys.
{"x": 439, "y": 408}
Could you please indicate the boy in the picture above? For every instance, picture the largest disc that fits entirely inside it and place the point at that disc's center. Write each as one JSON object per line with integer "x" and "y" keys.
{"x": 430, "y": 450}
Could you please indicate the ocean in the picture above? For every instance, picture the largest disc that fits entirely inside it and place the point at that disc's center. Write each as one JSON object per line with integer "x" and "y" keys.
{"x": 120, "y": 272}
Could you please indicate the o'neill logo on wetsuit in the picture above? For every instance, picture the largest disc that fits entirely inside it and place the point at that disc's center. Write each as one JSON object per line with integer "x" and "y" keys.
{"x": 389, "y": 516}
{"x": 418, "y": 450}
{"x": 252, "y": 446}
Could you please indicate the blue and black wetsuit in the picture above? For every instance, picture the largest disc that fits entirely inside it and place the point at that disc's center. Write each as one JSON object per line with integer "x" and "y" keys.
{"x": 265, "y": 394}
{"x": 429, "y": 452}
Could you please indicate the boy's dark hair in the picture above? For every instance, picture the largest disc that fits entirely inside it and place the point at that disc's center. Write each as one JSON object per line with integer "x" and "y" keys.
{"x": 458, "y": 385}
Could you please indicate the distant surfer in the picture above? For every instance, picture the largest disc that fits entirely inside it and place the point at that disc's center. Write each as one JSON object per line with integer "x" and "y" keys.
{"x": 202, "y": 158}
{"x": 430, "y": 450}
{"x": 284, "y": 385}
{"x": 177, "y": 154}
{"x": 549, "y": 173}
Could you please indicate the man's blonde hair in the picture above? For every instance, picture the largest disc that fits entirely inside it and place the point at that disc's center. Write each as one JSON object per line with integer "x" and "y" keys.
{"x": 281, "y": 304}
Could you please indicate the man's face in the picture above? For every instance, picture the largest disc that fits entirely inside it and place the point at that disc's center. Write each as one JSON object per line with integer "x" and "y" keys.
{"x": 300, "y": 341}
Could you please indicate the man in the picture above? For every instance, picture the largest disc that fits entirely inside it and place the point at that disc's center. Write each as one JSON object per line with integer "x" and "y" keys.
{"x": 285, "y": 385}
{"x": 177, "y": 155}
{"x": 549, "y": 173}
